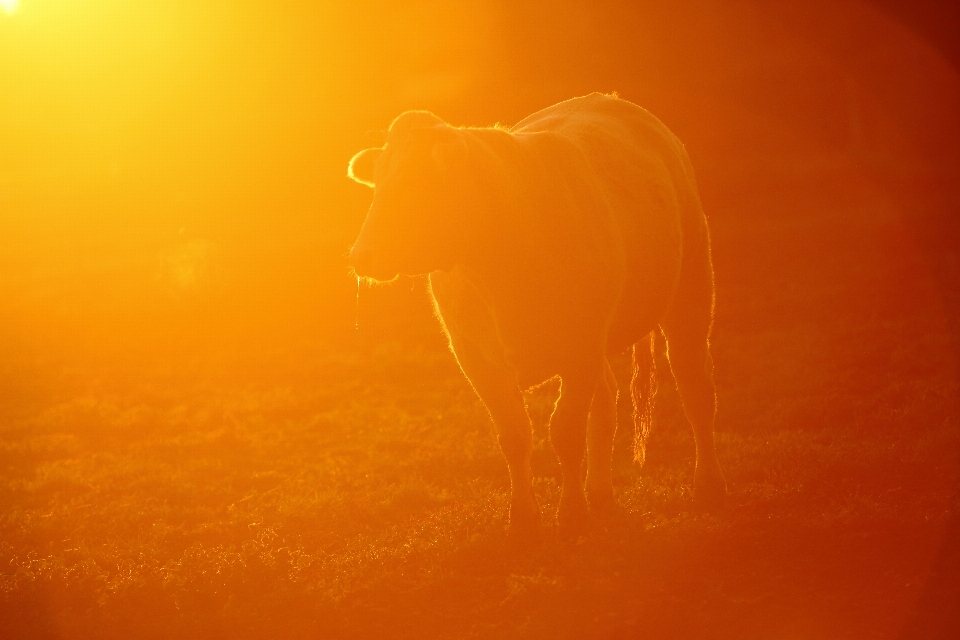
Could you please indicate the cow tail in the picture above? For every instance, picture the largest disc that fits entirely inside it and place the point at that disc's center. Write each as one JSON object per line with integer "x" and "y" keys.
{"x": 643, "y": 388}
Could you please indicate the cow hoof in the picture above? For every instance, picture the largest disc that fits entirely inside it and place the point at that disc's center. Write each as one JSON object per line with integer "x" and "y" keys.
{"x": 603, "y": 506}
{"x": 523, "y": 543}
{"x": 524, "y": 535}
{"x": 574, "y": 520}
{"x": 710, "y": 497}
{"x": 524, "y": 530}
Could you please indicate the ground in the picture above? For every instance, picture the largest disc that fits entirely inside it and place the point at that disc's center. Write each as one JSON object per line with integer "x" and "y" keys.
{"x": 350, "y": 485}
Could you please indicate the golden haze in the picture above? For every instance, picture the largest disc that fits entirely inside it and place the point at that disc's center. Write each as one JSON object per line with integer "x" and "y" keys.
{"x": 202, "y": 433}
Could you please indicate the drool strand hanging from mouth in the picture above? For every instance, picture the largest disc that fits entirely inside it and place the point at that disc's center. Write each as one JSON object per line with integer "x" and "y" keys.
{"x": 356, "y": 312}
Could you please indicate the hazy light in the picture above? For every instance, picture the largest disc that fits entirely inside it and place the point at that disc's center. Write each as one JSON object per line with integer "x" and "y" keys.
{"x": 9, "y": 6}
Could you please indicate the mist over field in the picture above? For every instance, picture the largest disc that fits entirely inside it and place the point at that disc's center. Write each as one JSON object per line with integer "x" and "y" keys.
{"x": 208, "y": 430}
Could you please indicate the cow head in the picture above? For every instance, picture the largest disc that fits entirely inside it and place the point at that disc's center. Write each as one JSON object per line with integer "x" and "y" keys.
{"x": 412, "y": 226}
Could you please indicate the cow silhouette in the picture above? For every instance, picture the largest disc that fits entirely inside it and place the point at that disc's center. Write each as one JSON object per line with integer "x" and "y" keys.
{"x": 551, "y": 246}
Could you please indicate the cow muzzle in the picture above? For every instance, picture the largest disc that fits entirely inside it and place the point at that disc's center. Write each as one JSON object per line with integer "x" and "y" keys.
{"x": 366, "y": 264}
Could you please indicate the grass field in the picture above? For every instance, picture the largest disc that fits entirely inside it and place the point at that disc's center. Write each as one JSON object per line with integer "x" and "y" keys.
{"x": 276, "y": 484}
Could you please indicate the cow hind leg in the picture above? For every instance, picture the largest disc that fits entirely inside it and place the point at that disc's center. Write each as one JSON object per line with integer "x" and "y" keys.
{"x": 689, "y": 355}
{"x": 568, "y": 434}
{"x": 601, "y": 429}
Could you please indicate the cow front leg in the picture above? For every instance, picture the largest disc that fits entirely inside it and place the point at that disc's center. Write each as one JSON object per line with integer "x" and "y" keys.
{"x": 503, "y": 399}
{"x": 601, "y": 429}
{"x": 568, "y": 433}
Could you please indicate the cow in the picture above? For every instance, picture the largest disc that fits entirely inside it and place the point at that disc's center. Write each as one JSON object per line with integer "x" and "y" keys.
{"x": 551, "y": 246}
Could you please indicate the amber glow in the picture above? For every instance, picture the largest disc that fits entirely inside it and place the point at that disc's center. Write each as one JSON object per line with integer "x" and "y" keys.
{"x": 209, "y": 427}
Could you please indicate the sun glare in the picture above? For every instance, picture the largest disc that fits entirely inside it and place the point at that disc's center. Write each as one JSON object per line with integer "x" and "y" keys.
{"x": 9, "y": 6}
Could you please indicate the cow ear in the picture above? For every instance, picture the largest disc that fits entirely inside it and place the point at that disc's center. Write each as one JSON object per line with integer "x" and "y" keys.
{"x": 361, "y": 166}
